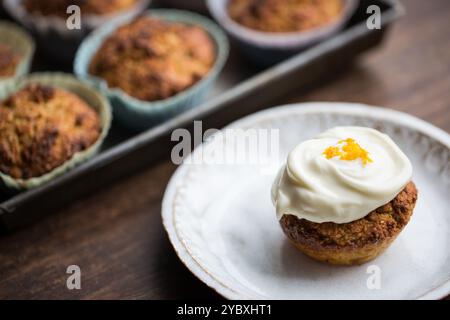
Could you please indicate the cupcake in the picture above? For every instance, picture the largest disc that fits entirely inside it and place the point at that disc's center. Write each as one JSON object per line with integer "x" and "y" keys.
{"x": 155, "y": 66}
{"x": 49, "y": 20}
{"x": 272, "y": 30}
{"x": 90, "y": 7}
{"x": 16, "y": 50}
{"x": 152, "y": 59}
{"x": 9, "y": 61}
{"x": 284, "y": 16}
{"x": 344, "y": 196}
{"x": 45, "y": 126}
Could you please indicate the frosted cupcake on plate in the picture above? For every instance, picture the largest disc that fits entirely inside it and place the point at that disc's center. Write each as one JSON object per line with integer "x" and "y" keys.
{"x": 344, "y": 196}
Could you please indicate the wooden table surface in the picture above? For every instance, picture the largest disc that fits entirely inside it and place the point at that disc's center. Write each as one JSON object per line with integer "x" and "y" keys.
{"x": 116, "y": 235}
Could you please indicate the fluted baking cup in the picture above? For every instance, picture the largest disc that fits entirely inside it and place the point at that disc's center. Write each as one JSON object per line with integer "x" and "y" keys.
{"x": 138, "y": 114}
{"x": 67, "y": 82}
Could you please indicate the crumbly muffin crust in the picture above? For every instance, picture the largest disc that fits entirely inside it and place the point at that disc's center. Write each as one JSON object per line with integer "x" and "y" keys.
{"x": 357, "y": 241}
{"x": 59, "y": 7}
{"x": 41, "y": 127}
{"x": 151, "y": 59}
{"x": 8, "y": 61}
{"x": 284, "y": 15}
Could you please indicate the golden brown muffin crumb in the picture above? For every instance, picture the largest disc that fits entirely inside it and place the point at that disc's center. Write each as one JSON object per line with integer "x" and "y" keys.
{"x": 59, "y": 7}
{"x": 41, "y": 127}
{"x": 151, "y": 59}
{"x": 357, "y": 241}
{"x": 284, "y": 15}
{"x": 8, "y": 61}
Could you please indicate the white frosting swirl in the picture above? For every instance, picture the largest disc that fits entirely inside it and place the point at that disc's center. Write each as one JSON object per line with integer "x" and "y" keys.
{"x": 314, "y": 187}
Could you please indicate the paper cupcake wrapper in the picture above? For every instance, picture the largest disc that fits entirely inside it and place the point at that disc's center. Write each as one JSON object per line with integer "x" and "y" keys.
{"x": 69, "y": 83}
{"x": 267, "y": 46}
{"x": 20, "y": 42}
{"x": 45, "y": 24}
{"x": 137, "y": 114}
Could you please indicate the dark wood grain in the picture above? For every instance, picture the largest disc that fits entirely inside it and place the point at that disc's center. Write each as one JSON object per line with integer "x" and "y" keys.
{"x": 116, "y": 235}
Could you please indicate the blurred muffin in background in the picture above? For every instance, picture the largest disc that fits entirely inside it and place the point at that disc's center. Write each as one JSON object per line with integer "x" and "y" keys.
{"x": 59, "y": 7}
{"x": 42, "y": 127}
{"x": 8, "y": 61}
{"x": 154, "y": 67}
{"x": 16, "y": 51}
{"x": 48, "y": 21}
{"x": 153, "y": 59}
{"x": 284, "y": 15}
{"x": 270, "y": 31}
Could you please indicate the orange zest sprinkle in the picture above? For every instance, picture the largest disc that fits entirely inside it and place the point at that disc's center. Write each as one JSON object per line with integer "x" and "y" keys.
{"x": 348, "y": 150}
{"x": 332, "y": 152}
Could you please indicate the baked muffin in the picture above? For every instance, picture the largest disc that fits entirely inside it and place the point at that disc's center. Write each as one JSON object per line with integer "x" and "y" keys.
{"x": 153, "y": 59}
{"x": 345, "y": 196}
{"x": 9, "y": 61}
{"x": 284, "y": 15}
{"x": 42, "y": 127}
{"x": 94, "y": 7}
{"x": 355, "y": 242}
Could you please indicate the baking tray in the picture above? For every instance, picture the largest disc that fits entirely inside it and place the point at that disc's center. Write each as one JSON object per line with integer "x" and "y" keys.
{"x": 240, "y": 90}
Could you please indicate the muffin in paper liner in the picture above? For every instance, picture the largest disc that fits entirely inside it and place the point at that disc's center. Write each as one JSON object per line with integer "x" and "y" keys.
{"x": 268, "y": 48}
{"x": 67, "y": 82}
{"x": 20, "y": 42}
{"x": 52, "y": 34}
{"x": 139, "y": 115}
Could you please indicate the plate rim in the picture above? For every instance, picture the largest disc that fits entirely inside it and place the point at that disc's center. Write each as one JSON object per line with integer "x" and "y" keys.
{"x": 398, "y": 117}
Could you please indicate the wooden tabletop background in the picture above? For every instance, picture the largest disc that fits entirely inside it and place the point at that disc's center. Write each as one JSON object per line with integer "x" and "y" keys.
{"x": 116, "y": 235}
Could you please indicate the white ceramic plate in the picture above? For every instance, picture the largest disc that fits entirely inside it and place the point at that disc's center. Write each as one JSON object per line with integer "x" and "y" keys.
{"x": 222, "y": 224}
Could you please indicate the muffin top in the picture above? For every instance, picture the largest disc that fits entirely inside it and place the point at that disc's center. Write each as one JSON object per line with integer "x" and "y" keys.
{"x": 284, "y": 15}
{"x": 382, "y": 223}
{"x": 8, "y": 61}
{"x": 340, "y": 176}
{"x": 41, "y": 127}
{"x": 59, "y": 7}
{"x": 152, "y": 59}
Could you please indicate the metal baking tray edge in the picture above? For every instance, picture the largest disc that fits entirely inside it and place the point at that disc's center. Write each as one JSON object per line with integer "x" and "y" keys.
{"x": 153, "y": 144}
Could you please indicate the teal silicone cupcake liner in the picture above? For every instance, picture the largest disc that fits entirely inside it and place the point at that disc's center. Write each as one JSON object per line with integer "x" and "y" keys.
{"x": 137, "y": 114}
{"x": 20, "y": 42}
{"x": 72, "y": 84}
